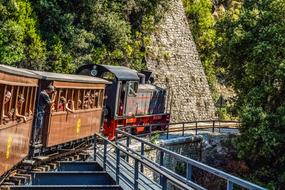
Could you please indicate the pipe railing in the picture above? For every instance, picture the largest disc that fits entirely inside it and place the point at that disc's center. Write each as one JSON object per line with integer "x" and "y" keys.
{"x": 187, "y": 126}
{"x": 230, "y": 179}
{"x": 138, "y": 162}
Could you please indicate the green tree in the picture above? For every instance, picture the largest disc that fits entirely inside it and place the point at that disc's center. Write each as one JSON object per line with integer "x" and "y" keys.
{"x": 253, "y": 55}
{"x": 62, "y": 35}
{"x": 96, "y": 31}
{"x": 20, "y": 44}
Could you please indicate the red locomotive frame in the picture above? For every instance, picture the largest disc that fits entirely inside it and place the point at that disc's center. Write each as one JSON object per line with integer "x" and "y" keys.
{"x": 109, "y": 127}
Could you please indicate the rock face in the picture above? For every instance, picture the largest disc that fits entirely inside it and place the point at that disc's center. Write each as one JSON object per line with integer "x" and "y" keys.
{"x": 174, "y": 59}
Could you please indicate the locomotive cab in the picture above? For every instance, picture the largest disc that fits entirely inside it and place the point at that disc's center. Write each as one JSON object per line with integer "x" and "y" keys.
{"x": 124, "y": 84}
{"x": 129, "y": 101}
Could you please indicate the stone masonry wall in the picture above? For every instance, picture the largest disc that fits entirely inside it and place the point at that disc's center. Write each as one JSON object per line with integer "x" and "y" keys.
{"x": 174, "y": 59}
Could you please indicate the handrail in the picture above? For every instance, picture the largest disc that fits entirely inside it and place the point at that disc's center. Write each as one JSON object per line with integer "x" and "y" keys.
{"x": 231, "y": 180}
{"x": 187, "y": 122}
{"x": 138, "y": 159}
{"x": 211, "y": 124}
{"x": 164, "y": 169}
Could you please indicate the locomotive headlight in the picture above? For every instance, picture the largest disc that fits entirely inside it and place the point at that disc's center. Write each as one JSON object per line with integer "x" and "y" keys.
{"x": 94, "y": 72}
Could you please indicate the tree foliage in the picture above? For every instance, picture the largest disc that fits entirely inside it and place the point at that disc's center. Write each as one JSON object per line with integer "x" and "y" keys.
{"x": 245, "y": 42}
{"x": 253, "y": 55}
{"x": 61, "y": 35}
{"x": 20, "y": 43}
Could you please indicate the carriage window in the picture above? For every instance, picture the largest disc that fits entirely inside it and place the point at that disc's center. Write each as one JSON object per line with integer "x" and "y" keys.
{"x": 59, "y": 104}
{"x": 95, "y": 98}
{"x": 78, "y": 98}
{"x": 87, "y": 100}
{"x": 77, "y": 101}
{"x": 66, "y": 99}
{"x": 132, "y": 88}
{"x": 17, "y": 104}
{"x": 108, "y": 76}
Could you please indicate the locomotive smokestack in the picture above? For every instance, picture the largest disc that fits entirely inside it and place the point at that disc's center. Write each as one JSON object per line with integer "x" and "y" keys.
{"x": 142, "y": 78}
{"x": 148, "y": 75}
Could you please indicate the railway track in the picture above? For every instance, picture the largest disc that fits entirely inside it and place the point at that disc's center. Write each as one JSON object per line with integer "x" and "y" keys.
{"x": 21, "y": 174}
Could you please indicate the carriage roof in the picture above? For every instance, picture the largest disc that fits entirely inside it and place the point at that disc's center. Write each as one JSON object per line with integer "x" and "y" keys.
{"x": 17, "y": 71}
{"x": 70, "y": 77}
{"x": 51, "y": 76}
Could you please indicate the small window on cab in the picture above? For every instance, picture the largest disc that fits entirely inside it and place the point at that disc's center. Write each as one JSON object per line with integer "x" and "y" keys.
{"x": 108, "y": 76}
{"x": 132, "y": 88}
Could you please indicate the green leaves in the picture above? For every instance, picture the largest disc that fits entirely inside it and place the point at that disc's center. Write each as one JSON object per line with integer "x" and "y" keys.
{"x": 20, "y": 44}
{"x": 11, "y": 42}
{"x": 253, "y": 54}
{"x": 246, "y": 40}
{"x": 61, "y": 35}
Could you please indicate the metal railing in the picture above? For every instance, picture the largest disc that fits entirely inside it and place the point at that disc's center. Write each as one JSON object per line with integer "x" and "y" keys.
{"x": 129, "y": 177}
{"x": 182, "y": 127}
{"x": 201, "y": 125}
{"x": 167, "y": 175}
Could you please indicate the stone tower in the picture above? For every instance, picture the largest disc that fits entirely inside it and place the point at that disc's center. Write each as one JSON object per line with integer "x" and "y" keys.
{"x": 175, "y": 62}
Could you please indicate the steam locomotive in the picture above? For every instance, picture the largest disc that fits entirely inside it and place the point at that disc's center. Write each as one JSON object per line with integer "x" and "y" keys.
{"x": 131, "y": 99}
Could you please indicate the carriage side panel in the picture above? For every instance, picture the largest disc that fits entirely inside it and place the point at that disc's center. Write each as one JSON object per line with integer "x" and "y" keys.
{"x": 14, "y": 132}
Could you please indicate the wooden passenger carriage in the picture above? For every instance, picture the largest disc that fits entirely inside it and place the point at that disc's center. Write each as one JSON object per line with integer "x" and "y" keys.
{"x": 14, "y": 131}
{"x": 61, "y": 126}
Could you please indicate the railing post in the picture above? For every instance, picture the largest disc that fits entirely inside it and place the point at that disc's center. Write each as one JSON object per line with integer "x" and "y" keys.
{"x": 128, "y": 145}
{"x": 162, "y": 177}
{"x": 189, "y": 172}
{"x": 136, "y": 175}
{"x": 164, "y": 183}
{"x": 142, "y": 154}
{"x": 161, "y": 158}
{"x": 196, "y": 130}
{"x": 183, "y": 128}
{"x": 230, "y": 185}
{"x": 117, "y": 165}
{"x": 150, "y": 129}
{"x": 167, "y": 131}
{"x": 95, "y": 148}
{"x": 213, "y": 129}
{"x": 116, "y": 136}
{"x": 105, "y": 155}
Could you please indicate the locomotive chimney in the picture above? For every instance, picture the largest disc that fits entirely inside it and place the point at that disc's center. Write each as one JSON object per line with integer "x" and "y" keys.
{"x": 142, "y": 78}
{"x": 148, "y": 75}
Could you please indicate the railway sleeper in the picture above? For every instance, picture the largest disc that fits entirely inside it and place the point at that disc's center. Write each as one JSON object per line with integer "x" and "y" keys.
{"x": 8, "y": 183}
{"x": 53, "y": 166}
{"x": 17, "y": 180}
{"x": 21, "y": 175}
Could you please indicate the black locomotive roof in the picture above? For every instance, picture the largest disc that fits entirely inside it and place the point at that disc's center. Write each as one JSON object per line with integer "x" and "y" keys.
{"x": 69, "y": 77}
{"x": 121, "y": 73}
{"x": 17, "y": 71}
